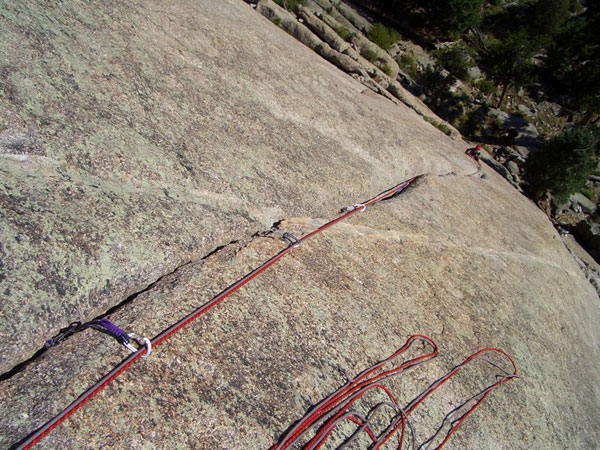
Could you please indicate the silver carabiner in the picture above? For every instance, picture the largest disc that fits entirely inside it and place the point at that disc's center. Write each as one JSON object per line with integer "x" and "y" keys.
{"x": 293, "y": 240}
{"x": 141, "y": 341}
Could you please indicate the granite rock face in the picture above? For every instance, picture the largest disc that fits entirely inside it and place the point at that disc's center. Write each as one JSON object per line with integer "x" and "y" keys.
{"x": 145, "y": 148}
{"x": 140, "y": 150}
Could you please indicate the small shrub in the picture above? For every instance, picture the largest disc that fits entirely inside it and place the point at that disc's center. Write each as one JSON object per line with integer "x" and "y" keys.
{"x": 439, "y": 125}
{"x": 486, "y": 86}
{"x": 383, "y": 36}
{"x": 290, "y": 5}
{"x": 334, "y": 5}
{"x": 408, "y": 64}
{"x": 276, "y": 21}
{"x": 460, "y": 121}
{"x": 387, "y": 70}
{"x": 495, "y": 124}
{"x": 456, "y": 60}
{"x": 588, "y": 193}
{"x": 343, "y": 32}
{"x": 369, "y": 55}
{"x": 435, "y": 82}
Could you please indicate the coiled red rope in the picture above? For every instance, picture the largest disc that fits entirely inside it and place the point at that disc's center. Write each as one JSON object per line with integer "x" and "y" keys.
{"x": 336, "y": 408}
{"x": 39, "y": 434}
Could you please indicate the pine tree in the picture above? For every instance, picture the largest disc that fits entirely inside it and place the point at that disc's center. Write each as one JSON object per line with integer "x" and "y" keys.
{"x": 510, "y": 61}
{"x": 464, "y": 14}
{"x": 563, "y": 164}
{"x": 574, "y": 63}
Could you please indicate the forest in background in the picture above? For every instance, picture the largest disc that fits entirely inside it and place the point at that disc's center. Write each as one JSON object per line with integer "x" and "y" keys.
{"x": 547, "y": 49}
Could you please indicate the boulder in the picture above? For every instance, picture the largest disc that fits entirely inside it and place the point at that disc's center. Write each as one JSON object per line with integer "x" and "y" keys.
{"x": 570, "y": 219}
{"x": 587, "y": 206}
{"x": 525, "y": 110}
{"x": 353, "y": 17}
{"x": 474, "y": 73}
{"x": 322, "y": 29}
{"x": 330, "y": 8}
{"x": 513, "y": 167}
{"x": 422, "y": 57}
{"x": 527, "y": 133}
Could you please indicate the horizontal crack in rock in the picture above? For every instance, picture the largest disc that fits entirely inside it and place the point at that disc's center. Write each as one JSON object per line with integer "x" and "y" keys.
{"x": 23, "y": 364}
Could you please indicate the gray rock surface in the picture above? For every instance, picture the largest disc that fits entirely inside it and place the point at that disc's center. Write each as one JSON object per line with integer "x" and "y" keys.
{"x": 585, "y": 203}
{"x": 152, "y": 141}
{"x": 513, "y": 167}
{"x": 329, "y": 7}
{"x": 316, "y": 36}
{"x": 360, "y": 22}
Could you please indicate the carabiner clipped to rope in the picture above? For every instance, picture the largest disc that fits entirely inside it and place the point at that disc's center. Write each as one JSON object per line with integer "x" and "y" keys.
{"x": 106, "y": 326}
{"x": 362, "y": 207}
{"x": 287, "y": 236}
{"x": 293, "y": 240}
{"x": 142, "y": 342}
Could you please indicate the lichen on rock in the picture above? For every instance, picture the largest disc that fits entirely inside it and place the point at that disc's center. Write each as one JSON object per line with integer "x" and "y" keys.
{"x": 147, "y": 148}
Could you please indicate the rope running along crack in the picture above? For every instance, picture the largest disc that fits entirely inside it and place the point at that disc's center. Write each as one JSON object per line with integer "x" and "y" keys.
{"x": 39, "y": 434}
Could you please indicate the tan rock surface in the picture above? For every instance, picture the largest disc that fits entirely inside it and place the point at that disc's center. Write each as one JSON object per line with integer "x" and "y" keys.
{"x": 243, "y": 127}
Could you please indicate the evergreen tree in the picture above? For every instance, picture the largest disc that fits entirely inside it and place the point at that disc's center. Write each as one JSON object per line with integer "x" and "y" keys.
{"x": 549, "y": 17}
{"x": 563, "y": 164}
{"x": 574, "y": 63}
{"x": 463, "y": 14}
{"x": 510, "y": 61}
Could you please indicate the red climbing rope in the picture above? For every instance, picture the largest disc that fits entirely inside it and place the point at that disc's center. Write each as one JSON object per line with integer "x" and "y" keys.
{"x": 336, "y": 408}
{"x": 340, "y": 401}
{"x": 39, "y": 434}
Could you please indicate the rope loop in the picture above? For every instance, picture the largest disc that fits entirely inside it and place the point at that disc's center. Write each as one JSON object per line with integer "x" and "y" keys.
{"x": 105, "y": 326}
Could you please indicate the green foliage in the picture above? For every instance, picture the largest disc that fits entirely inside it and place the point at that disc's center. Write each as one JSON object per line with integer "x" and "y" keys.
{"x": 343, "y": 32}
{"x": 460, "y": 121}
{"x": 510, "y": 61}
{"x": 408, "y": 64}
{"x": 588, "y": 193}
{"x": 573, "y": 62}
{"x": 549, "y": 16}
{"x": 486, "y": 86}
{"x": 387, "y": 70}
{"x": 383, "y": 36}
{"x": 369, "y": 55}
{"x": 563, "y": 164}
{"x": 291, "y": 5}
{"x": 456, "y": 60}
{"x": 464, "y": 14}
{"x": 439, "y": 125}
{"x": 473, "y": 126}
{"x": 435, "y": 82}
